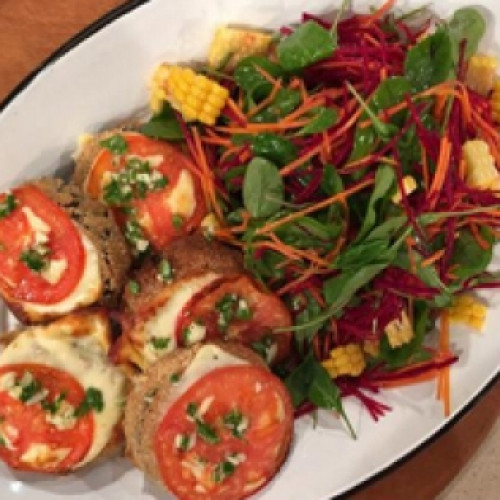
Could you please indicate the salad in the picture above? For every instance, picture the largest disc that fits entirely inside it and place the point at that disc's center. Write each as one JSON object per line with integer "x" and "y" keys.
{"x": 354, "y": 161}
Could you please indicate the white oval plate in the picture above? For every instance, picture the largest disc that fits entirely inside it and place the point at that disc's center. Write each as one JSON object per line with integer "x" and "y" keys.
{"x": 101, "y": 76}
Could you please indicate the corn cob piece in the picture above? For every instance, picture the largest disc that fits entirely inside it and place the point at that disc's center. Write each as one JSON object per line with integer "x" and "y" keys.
{"x": 495, "y": 101}
{"x": 399, "y": 331}
{"x": 372, "y": 347}
{"x": 231, "y": 45}
{"x": 481, "y": 73}
{"x": 197, "y": 97}
{"x": 345, "y": 360}
{"x": 481, "y": 170}
{"x": 409, "y": 185}
{"x": 468, "y": 310}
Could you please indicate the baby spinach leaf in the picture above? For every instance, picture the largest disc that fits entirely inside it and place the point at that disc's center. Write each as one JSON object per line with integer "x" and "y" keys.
{"x": 164, "y": 125}
{"x": 385, "y": 180}
{"x": 309, "y": 43}
{"x": 263, "y": 189}
{"x": 389, "y": 93}
{"x": 311, "y": 311}
{"x": 285, "y": 102}
{"x": 358, "y": 255}
{"x": 307, "y": 232}
{"x": 331, "y": 182}
{"x": 466, "y": 24}
{"x": 430, "y": 61}
{"x": 248, "y": 77}
{"x": 468, "y": 257}
{"x": 323, "y": 119}
{"x": 274, "y": 148}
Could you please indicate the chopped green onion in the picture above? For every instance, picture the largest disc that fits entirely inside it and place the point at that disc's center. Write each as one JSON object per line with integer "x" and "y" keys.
{"x": 116, "y": 144}
{"x": 7, "y": 206}
{"x": 93, "y": 401}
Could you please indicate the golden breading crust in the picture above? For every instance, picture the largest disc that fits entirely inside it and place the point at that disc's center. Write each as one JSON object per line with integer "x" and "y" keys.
{"x": 149, "y": 398}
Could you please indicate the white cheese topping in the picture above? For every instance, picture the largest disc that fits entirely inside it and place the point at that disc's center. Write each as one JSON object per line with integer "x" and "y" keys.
{"x": 84, "y": 358}
{"x": 181, "y": 200}
{"x": 37, "y": 225}
{"x": 163, "y": 324}
{"x": 154, "y": 160}
{"x": 41, "y": 454}
{"x": 209, "y": 357}
{"x": 87, "y": 290}
{"x": 54, "y": 270}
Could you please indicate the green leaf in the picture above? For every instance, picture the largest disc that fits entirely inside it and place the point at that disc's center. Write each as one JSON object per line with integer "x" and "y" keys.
{"x": 305, "y": 335}
{"x": 385, "y": 181}
{"x": 331, "y": 182}
{"x": 284, "y": 103}
{"x": 466, "y": 24}
{"x": 468, "y": 257}
{"x": 430, "y": 61}
{"x": 361, "y": 254}
{"x": 307, "y": 232}
{"x": 251, "y": 80}
{"x": 274, "y": 148}
{"x": 263, "y": 190}
{"x": 299, "y": 381}
{"x": 323, "y": 119}
{"x": 389, "y": 93}
{"x": 308, "y": 44}
{"x": 163, "y": 126}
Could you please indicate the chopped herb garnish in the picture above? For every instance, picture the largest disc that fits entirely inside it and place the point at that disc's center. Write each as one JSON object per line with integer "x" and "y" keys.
{"x": 36, "y": 260}
{"x": 264, "y": 346}
{"x": 223, "y": 470}
{"x": 160, "y": 342}
{"x": 116, "y": 144}
{"x": 177, "y": 221}
{"x": 236, "y": 423}
{"x": 29, "y": 390}
{"x": 166, "y": 272}
{"x": 175, "y": 377}
{"x": 135, "y": 235}
{"x": 93, "y": 401}
{"x": 191, "y": 409}
{"x": 8, "y": 205}
{"x": 134, "y": 287}
{"x": 116, "y": 194}
{"x": 148, "y": 397}
{"x": 53, "y": 406}
{"x": 3, "y": 442}
{"x": 207, "y": 432}
{"x": 184, "y": 442}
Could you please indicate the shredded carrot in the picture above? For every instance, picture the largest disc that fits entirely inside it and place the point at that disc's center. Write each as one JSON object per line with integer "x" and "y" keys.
{"x": 439, "y": 107}
{"x": 270, "y": 226}
{"x": 444, "y": 374}
{"x": 236, "y": 109}
{"x": 433, "y": 258}
{"x": 266, "y": 75}
{"x": 267, "y": 101}
{"x": 482, "y": 243}
{"x": 255, "y": 128}
{"x": 442, "y": 167}
{"x": 303, "y": 109}
{"x": 379, "y": 13}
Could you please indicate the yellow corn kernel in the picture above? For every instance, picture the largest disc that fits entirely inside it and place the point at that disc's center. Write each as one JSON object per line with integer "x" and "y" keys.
{"x": 195, "y": 96}
{"x": 481, "y": 170}
{"x": 157, "y": 93}
{"x": 409, "y": 185}
{"x": 469, "y": 310}
{"x": 231, "y": 45}
{"x": 372, "y": 347}
{"x": 495, "y": 101}
{"x": 481, "y": 73}
{"x": 345, "y": 360}
{"x": 399, "y": 331}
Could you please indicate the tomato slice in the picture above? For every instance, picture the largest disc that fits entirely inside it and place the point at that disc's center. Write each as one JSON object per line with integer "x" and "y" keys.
{"x": 266, "y": 313}
{"x": 250, "y": 416}
{"x": 153, "y": 212}
{"x": 24, "y": 425}
{"x": 16, "y": 235}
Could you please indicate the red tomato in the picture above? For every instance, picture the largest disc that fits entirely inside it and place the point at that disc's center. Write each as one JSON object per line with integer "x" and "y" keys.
{"x": 26, "y": 424}
{"x": 266, "y": 309}
{"x": 263, "y": 405}
{"x": 16, "y": 279}
{"x": 153, "y": 213}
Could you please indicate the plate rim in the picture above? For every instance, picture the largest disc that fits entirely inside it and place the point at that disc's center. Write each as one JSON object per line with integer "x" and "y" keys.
{"x": 104, "y": 21}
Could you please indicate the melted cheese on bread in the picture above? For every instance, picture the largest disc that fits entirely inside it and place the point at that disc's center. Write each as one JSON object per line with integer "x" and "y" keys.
{"x": 82, "y": 356}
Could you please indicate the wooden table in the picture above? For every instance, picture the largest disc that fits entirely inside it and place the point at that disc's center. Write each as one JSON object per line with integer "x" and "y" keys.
{"x": 29, "y": 31}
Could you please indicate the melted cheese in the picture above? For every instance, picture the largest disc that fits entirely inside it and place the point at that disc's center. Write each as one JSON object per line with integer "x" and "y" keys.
{"x": 208, "y": 358}
{"x": 87, "y": 291}
{"x": 163, "y": 324}
{"x": 54, "y": 270}
{"x": 182, "y": 200}
{"x": 41, "y": 455}
{"x": 37, "y": 225}
{"x": 84, "y": 358}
